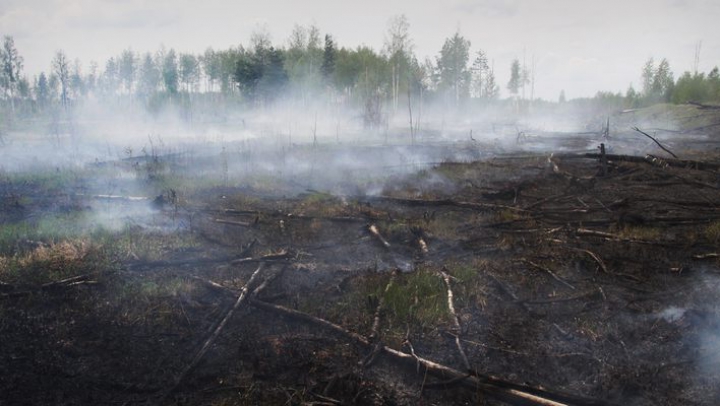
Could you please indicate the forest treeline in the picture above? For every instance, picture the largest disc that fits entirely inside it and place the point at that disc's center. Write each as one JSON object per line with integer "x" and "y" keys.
{"x": 309, "y": 67}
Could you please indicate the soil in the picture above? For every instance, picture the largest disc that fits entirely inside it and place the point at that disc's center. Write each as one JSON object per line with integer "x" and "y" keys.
{"x": 597, "y": 282}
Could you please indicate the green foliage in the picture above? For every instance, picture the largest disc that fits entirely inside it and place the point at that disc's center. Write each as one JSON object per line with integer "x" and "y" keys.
{"x": 692, "y": 87}
{"x": 452, "y": 65}
{"x": 261, "y": 74}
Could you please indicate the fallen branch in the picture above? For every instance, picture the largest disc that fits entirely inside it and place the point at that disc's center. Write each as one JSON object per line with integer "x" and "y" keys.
{"x": 233, "y": 223}
{"x": 656, "y": 141}
{"x": 214, "y": 335}
{"x": 583, "y": 295}
{"x": 440, "y": 202}
{"x": 278, "y": 257}
{"x": 456, "y": 319}
{"x": 613, "y": 237}
{"x": 512, "y": 295}
{"x": 549, "y": 271}
{"x": 648, "y": 159}
{"x": 707, "y": 256}
{"x": 381, "y": 307}
{"x": 596, "y": 258}
{"x": 502, "y": 390}
{"x": 372, "y": 228}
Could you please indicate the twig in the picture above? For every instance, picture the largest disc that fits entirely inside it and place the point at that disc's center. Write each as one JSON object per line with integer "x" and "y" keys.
{"x": 656, "y": 141}
{"x": 550, "y": 272}
{"x": 508, "y": 292}
{"x": 456, "y": 319}
{"x": 596, "y": 259}
{"x": 583, "y": 295}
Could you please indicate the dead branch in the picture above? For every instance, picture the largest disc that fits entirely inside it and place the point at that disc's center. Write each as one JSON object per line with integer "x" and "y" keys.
{"x": 233, "y": 223}
{"x": 441, "y": 202}
{"x": 281, "y": 256}
{"x": 583, "y": 295}
{"x": 25, "y": 290}
{"x": 707, "y": 256}
{"x": 549, "y": 271}
{"x": 372, "y": 228}
{"x": 656, "y": 141}
{"x": 456, "y": 319}
{"x": 214, "y": 335}
{"x": 381, "y": 307}
{"x": 614, "y": 237}
{"x": 281, "y": 214}
{"x": 502, "y": 390}
{"x": 510, "y": 293}
{"x": 595, "y": 258}
{"x": 649, "y": 159}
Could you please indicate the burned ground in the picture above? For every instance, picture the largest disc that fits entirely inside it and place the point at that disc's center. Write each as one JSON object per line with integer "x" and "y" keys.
{"x": 571, "y": 281}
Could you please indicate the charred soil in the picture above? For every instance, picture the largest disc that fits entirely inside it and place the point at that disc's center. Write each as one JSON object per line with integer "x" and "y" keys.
{"x": 564, "y": 278}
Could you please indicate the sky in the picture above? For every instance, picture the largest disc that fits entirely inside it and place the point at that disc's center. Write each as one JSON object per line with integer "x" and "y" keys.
{"x": 579, "y": 46}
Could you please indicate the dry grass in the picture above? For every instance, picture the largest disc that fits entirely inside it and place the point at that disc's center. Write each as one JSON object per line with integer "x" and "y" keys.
{"x": 52, "y": 262}
{"x": 712, "y": 232}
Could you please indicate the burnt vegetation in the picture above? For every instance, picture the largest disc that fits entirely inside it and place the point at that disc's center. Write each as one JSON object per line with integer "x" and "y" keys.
{"x": 514, "y": 277}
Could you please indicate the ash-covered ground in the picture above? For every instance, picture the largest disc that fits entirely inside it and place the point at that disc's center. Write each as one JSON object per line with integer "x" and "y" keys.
{"x": 485, "y": 267}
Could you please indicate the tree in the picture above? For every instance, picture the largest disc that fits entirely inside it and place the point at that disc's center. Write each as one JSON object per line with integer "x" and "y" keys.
{"x": 248, "y": 72}
{"x": 453, "y": 72}
{"x": 303, "y": 61}
{"x": 91, "y": 78}
{"x": 170, "y": 75}
{"x": 109, "y": 78}
{"x": 562, "y": 98}
{"x": 273, "y": 78}
{"x": 11, "y": 64}
{"x": 398, "y": 50}
{"x": 514, "y": 84}
{"x": 127, "y": 68}
{"x": 61, "y": 68}
{"x": 632, "y": 98}
{"x": 691, "y": 87}
{"x": 713, "y": 79}
{"x": 149, "y": 76}
{"x": 189, "y": 71}
{"x": 663, "y": 82}
{"x": 492, "y": 90}
{"x": 77, "y": 83}
{"x": 42, "y": 90}
{"x": 648, "y": 75}
{"x": 328, "y": 65}
{"x": 212, "y": 67}
{"x": 479, "y": 70}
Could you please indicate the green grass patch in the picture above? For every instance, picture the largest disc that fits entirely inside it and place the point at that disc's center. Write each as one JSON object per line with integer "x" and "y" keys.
{"x": 418, "y": 298}
{"x": 712, "y": 232}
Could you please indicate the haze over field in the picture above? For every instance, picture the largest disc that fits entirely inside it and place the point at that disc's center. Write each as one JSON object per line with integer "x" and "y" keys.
{"x": 579, "y": 47}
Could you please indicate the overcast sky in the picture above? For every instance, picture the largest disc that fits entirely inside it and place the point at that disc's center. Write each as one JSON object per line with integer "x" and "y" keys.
{"x": 581, "y": 46}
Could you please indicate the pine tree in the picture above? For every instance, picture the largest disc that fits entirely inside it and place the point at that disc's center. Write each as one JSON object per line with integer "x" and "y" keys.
{"x": 11, "y": 64}
{"x": 328, "y": 64}
{"x": 514, "y": 83}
